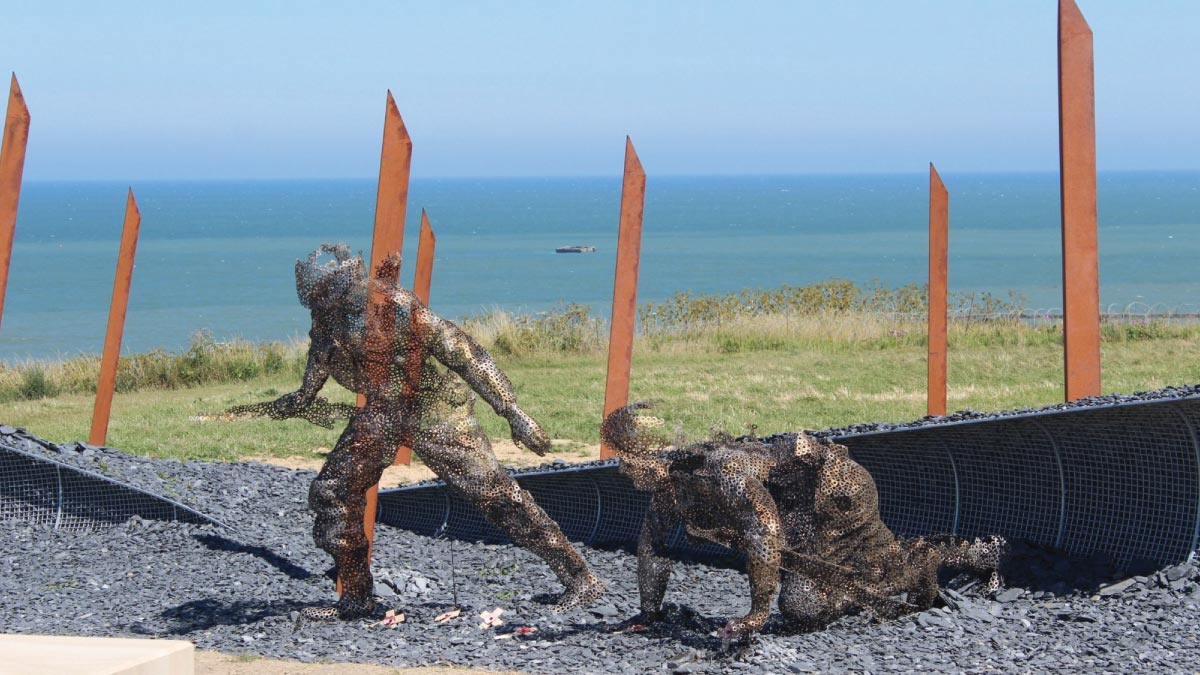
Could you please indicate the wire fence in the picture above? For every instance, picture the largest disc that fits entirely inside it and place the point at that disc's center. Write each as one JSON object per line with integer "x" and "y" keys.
{"x": 1121, "y": 480}
{"x": 38, "y": 490}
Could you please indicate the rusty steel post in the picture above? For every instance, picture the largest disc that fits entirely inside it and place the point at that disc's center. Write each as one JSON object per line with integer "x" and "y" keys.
{"x": 391, "y": 202}
{"x": 624, "y": 307}
{"x": 1077, "y": 156}
{"x": 12, "y": 165}
{"x": 938, "y": 267}
{"x": 422, "y": 278}
{"x": 116, "y": 322}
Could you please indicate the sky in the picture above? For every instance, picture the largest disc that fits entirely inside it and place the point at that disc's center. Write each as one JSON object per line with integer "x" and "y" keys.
{"x": 241, "y": 89}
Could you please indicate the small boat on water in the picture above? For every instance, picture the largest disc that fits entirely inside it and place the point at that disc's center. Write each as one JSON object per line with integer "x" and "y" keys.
{"x": 575, "y": 249}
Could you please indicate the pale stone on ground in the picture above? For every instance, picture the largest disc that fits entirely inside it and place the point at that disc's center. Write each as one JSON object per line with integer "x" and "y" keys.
{"x": 67, "y": 654}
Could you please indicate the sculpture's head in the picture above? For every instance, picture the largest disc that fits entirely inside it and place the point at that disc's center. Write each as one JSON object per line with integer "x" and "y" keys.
{"x": 632, "y": 437}
{"x": 328, "y": 276}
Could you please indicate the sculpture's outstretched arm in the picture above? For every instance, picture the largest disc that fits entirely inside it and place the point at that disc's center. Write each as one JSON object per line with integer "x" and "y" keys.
{"x": 453, "y": 348}
{"x": 316, "y": 373}
{"x": 303, "y": 402}
{"x": 761, "y": 541}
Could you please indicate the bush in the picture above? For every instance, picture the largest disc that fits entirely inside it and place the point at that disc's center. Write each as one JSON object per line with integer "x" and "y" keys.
{"x": 1136, "y": 331}
{"x": 35, "y": 384}
{"x": 565, "y": 329}
{"x": 205, "y": 361}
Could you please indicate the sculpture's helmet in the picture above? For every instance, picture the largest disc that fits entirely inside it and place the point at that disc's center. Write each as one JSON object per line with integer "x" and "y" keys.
{"x": 322, "y": 282}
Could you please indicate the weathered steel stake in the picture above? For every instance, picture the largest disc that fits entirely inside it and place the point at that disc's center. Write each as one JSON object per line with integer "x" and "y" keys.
{"x": 624, "y": 307}
{"x": 391, "y": 201}
{"x": 116, "y": 322}
{"x": 12, "y": 164}
{"x": 1077, "y": 156}
{"x": 938, "y": 265}
{"x": 422, "y": 278}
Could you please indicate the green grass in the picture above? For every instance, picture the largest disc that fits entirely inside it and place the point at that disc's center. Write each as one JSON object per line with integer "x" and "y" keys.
{"x": 777, "y": 373}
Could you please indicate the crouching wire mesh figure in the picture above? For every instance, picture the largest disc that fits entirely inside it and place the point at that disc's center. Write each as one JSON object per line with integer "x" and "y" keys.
{"x": 408, "y": 400}
{"x": 803, "y": 513}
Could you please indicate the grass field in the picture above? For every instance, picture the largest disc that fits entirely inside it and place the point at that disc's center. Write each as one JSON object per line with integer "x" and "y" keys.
{"x": 777, "y": 373}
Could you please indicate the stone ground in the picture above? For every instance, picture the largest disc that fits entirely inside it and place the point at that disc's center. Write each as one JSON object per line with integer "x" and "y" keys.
{"x": 236, "y": 590}
{"x": 217, "y": 663}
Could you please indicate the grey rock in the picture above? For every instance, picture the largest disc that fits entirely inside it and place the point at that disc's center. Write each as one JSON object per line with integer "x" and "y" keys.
{"x": 1182, "y": 571}
{"x": 1010, "y": 594}
{"x": 1119, "y": 587}
{"x": 606, "y": 611}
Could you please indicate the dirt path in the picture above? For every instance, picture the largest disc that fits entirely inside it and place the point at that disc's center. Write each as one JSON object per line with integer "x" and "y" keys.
{"x": 506, "y": 452}
{"x": 218, "y": 663}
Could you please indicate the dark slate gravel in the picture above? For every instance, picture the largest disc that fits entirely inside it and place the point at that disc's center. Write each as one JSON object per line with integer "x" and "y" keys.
{"x": 236, "y": 589}
{"x": 968, "y": 415}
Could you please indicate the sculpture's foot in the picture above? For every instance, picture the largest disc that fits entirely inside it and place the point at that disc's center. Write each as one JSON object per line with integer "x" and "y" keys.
{"x": 639, "y": 622}
{"x": 346, "y": 608}
{"x": 741, "y": 629}
{"x": 583, "y": 590}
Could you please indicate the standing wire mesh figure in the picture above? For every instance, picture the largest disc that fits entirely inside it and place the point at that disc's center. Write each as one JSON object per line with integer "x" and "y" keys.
{"x": 803, "y": 513}
{"x": 408, "y": 399}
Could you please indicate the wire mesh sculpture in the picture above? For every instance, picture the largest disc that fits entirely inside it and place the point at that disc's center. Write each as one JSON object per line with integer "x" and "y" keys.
{"x": 408, "y": 399}
{"x": 803, "y": 513}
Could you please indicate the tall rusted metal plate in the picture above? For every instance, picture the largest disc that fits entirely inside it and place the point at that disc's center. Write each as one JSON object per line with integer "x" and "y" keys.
{"x": 391, "y": 202}
{"x": 1077, "y": 156}
{"x": 938, "y": 267}
{"x": 624, "y": 307}
{"x": 12, "y": 165}
{"x": 116, "y": 322}
{"x": 422, "y": 279}
{"x": 391, "y": 198}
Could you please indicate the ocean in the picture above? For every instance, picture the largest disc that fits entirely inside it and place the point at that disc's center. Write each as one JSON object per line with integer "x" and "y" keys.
{"x": 219, "y": 255}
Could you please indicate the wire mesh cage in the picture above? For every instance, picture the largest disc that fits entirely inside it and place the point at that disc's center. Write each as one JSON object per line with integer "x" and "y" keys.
{"x": 1118, "y": 479}
{"x": 39, "y": 490}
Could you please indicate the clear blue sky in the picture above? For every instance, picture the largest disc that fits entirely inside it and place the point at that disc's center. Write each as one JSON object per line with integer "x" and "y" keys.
{"x": 216, "y": 89}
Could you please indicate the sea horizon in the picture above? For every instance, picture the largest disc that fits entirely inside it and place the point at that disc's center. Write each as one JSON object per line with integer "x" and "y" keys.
{"x": 217, "y": 254}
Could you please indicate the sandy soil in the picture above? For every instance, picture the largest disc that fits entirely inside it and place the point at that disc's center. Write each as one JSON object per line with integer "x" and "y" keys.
{"x": 506, "y": 452}
{"x": 217, "y": 663}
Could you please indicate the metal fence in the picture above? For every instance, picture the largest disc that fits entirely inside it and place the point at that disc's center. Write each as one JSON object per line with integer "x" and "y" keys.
{"x": 1120, "y": 479}
{"x": 42, "y": 491}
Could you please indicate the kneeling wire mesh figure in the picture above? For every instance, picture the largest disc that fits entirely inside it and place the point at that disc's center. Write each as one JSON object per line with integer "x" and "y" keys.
{"x": 803, "y": 513}
{"x": 408, "y": 400}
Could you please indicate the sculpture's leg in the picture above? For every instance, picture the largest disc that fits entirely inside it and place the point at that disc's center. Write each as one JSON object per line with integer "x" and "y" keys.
{"x": 809, "y": 605}
{"x": 982, "y": 556}
{"x": 338, "y": 498}
{"x": 761, "y": 541}
{"x": 465, "y": 461}
{"x": 921, "y": 561}
{"x": 654, "y": 567}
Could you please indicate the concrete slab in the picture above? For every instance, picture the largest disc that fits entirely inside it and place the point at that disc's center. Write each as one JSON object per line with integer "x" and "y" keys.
{"x": 71, "y": 655}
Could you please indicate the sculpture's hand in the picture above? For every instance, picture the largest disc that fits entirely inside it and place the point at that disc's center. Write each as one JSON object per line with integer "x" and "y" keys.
{"x": 287, "y": 406}
{"x": 318, "y": 411}
{"x": 526, "y": 431}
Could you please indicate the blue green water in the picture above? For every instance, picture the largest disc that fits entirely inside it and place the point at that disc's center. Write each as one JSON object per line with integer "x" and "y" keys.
{"x": 219, "y": 255}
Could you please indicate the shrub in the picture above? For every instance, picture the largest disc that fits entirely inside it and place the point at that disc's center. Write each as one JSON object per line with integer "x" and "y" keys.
{"x": 35, "y": 384}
